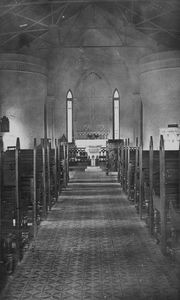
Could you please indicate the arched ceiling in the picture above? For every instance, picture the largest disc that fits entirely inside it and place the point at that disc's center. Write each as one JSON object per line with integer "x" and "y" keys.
{"x": 24, "y": 24}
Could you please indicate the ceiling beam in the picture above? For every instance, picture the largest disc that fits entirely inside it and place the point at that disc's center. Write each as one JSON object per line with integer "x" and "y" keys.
{"x": 27, "y": 31}
{"x": 71, "y": 25}
{"x": 162, "y": 29}
{"x": 118, "y": 31}
{"x": 40, "y": 37}
{"x": 96, "y": 46}
{"x": 147, "y": 28}
{"x": 24, "y": 30}
{"x": 156, "y": 16}
{"x": 37, "y": 22}
{"x": 49, "y": 2}
{"x": 61, "y": 13}
{"x": 6, "y": 11}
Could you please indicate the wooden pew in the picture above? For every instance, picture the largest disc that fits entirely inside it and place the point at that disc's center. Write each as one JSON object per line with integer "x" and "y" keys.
{"x": 135, "y": 192}
{"x": 160, "y": 191}
{"x": 63, "y": 164}
{"x": 53, "y": 175}
{"x": 170, "y": 197}
{"x": 47, "y": 172}
{"x": 10, "y": 208}
{"x": 156, "y": 189}
{"x": 150, "y": 203}
{"x": 131, "y": 172}
{"x": 122, "y": 166}
{"x": 41, "y": 180}
{"x": 144, "y": 183}
{"x": 1, "y": 186}
{"x": 126, "y": 168}
{"x": 112, "y": 149}
{"x": 28, "y": 190}
{"x": 164, "y": 191}
{"x": 126, "y": 165}
{"x": 25, "y": 175}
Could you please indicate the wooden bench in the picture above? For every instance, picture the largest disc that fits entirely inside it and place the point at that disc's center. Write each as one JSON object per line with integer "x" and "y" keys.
{"x": 29, "y": 188}
{"x": 156, "y": 190}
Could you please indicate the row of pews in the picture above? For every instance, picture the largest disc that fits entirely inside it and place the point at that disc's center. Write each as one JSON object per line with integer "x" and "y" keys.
{"x": 151, "y": 180}
{"x": 30, "y": 183}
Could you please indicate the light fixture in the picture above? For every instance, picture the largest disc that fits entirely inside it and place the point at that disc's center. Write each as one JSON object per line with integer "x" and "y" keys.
{"x": 23, "y": 25}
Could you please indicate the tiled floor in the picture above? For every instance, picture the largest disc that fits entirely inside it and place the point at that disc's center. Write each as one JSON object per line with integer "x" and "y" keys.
{"x": 93, "y": 246}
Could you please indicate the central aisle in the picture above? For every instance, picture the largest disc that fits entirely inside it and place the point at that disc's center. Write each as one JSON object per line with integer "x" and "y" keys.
{"x": 93, "y": 246}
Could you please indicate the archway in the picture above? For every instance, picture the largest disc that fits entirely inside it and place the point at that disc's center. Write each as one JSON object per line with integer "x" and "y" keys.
{"x": 93, "y": 108}
{"x": 92, "y": 113}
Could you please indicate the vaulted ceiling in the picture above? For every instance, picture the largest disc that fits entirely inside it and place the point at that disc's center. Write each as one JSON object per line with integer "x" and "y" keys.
{"x": 24, "y": 23}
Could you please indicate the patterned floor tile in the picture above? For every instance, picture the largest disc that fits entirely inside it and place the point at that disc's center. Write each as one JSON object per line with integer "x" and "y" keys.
{"x": 93, "y": 246}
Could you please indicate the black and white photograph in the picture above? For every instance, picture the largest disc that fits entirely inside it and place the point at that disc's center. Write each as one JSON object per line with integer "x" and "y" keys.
{"x": 89, "y": 149}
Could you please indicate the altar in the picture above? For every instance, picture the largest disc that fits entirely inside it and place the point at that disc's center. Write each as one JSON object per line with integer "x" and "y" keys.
{"x": 93, "y": 148}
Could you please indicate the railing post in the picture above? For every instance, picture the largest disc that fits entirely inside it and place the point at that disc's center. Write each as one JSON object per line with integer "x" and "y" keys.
{"x": 49, "y": 204}
{"x": 56, "y": 169}
{"x": 35, "y": 189}
{"x": 107, "y": 162}
{"x": 122, "y": 166}
{"x": 125, "y": 165}
{"x": 65, "y": 166}
{"x": 118, "y": 158}
{"x": 136, "y": 171}
{"x": 151, "y": 211}
{"x": 44, "y": 179}
{"x": 140, "y": 181}
{"x": 163, "y": 206}
{"x": 18, "y": 220}
{"x": 67, "y": 162}
{"x": 128, "y": 169}
{"x": 1, "y": 190}
{"x": 59, "y": 166}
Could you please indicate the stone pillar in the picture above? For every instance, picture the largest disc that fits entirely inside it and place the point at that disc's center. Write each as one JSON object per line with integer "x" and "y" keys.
{"x": 53, "y": 37}
{"x": 160, "y": 93}
{"x": 50, "y": 113}
{"x": 53, "y": 58}
{"x": 23, "y": 90}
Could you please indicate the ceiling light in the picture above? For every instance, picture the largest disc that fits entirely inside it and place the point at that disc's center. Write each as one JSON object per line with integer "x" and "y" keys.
{"x": 23, "y": 25}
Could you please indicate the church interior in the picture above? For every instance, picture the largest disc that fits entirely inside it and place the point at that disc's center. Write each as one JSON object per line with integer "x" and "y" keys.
{"x": 89, "y": 149}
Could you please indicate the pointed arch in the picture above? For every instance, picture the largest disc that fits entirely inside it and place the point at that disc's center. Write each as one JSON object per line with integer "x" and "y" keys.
{"x": 69, "y": 95}
{"x": 116, "y": 94}
{"x": 116, "y": 115}
{"x": 69, "y": 116}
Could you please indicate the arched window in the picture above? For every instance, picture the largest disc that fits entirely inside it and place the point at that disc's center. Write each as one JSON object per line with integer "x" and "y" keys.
{"x": 69, "y": 116}
{"x": 116, "y": 115}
